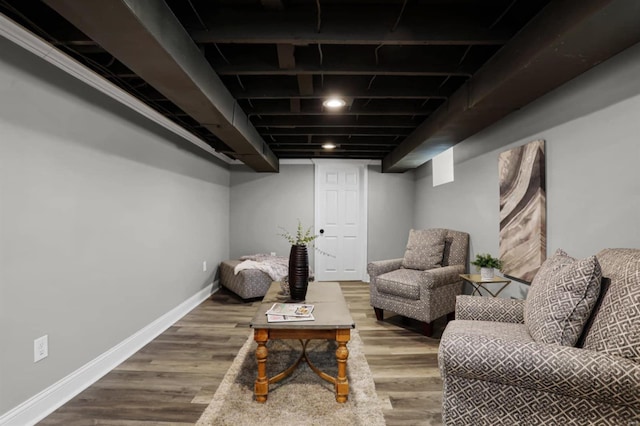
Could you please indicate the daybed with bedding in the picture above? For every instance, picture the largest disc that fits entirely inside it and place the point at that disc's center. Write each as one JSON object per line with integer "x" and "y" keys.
{"x": 250, "y": 276}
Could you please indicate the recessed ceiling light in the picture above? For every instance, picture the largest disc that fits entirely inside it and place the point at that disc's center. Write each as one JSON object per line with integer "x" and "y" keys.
{"x": 334, "y": 103}
{"x": 328, "y": 145}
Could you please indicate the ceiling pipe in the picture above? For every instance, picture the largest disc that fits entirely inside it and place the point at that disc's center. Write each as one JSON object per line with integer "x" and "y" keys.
{"x": 564, "y": 40}
{"x": 148, "y": 39}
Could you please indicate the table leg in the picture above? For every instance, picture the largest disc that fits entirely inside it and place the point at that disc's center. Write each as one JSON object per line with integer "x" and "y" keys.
{"x": 500, "y": 289}
{"x": 342, "y": 353}
{"x": 261, "y": 388}
{"x": 476, "y": 289}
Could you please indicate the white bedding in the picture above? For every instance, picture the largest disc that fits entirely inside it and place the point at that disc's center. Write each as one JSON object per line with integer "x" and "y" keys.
{"x": 275, "y": 266}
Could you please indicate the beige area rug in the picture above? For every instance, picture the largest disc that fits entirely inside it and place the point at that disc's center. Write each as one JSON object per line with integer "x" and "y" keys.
{"x": 301, "y": 399}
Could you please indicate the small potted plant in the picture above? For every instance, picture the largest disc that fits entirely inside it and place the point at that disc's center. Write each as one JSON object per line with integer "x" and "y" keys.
{"x": 486, "y": 264}
{"x": 302, "y": 237}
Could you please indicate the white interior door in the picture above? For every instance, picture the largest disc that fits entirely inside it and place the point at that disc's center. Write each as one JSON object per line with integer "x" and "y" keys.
{"x": 341, "y": 220}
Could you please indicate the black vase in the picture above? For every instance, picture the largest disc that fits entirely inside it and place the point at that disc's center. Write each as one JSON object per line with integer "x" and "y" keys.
{"x": 298, "y": 272}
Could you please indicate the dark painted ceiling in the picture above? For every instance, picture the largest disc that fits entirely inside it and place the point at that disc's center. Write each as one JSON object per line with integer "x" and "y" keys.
{"x": 249, "y": 76}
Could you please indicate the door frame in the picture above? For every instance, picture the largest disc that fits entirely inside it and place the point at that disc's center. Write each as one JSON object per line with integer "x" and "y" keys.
{"x": 364, "y": 195}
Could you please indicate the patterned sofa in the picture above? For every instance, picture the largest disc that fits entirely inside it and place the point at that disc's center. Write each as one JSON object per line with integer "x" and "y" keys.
{"x": 568, "y": 355}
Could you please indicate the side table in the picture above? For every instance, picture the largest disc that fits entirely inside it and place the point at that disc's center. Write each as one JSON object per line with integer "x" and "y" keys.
{"x": 478, "y": 283}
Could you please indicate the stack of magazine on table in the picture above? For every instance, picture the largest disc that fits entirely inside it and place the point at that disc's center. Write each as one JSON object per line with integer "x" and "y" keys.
{"x": 289, "y": 312}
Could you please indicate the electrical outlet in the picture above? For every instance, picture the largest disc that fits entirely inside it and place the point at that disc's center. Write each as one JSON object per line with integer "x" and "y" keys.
{"x": 204, "y": 266}
{"x": 41, "y": 348}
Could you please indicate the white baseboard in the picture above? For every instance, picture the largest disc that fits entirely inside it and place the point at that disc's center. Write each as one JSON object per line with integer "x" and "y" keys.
{"x": 44, "y": 403}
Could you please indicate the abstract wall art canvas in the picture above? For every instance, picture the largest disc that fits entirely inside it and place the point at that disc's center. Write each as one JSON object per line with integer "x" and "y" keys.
{"x": 523, "y": 227}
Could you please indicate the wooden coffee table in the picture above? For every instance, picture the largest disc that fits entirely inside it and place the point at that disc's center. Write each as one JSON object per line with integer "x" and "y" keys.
{"x": 332, "y": 322}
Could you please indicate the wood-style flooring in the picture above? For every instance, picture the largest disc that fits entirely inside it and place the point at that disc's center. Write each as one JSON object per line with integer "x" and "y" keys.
{"x": 172, "y": 379}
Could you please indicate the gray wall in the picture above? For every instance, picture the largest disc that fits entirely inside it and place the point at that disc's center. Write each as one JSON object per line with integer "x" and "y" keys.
{"x": 263, "y": 202}
{"x": 105, "y": 219}
{"x": 260, "y": 203}
{"x": 591, "y": 127}
{"x": 391, "y": 200}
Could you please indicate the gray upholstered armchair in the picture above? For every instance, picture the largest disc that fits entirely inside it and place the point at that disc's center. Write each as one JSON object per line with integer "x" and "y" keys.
{"x": 568, "y": 355}
{"x": 424, "y": 284}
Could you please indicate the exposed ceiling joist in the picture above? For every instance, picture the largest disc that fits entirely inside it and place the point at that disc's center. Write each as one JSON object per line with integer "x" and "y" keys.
{"x": 416, "y": 70}
{"x": 286, "y": 93}
{"x": 286, "y": 59}
{"x": 261, "y": 69}
{"x": 336, "y": 121}
{"x": 354, "y": 111}
{"x": 272, "y": 4}
{"x": 318, "y": 143}
{"x": 305, "y": 85}
{"x": 147, "y": 38}
{"x": 272, "y": 30}
{"x": 294, "y": 107}
{"x": 534, "y": 62}
{"x": 336, "y": 131}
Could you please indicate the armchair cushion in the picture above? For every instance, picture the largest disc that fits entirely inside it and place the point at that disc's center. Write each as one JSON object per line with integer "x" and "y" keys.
{"x": 401, "y": 282}
{"x": 561, "y": 298}
{"x": 425, "y": 249}
{"x": 406, "y": 283}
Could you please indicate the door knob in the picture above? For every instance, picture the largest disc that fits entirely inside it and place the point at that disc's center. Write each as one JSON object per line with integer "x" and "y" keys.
{"x": 321, "y": 231}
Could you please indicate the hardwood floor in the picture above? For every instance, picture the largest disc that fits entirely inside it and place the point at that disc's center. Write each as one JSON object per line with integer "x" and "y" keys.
{"x": 172, "y": 379}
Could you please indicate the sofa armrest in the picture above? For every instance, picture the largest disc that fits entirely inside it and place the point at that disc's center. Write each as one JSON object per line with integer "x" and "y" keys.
{"x": 438, "y": 277}
{"x": 561, "y": 370}
{"x": 380, "y": 267}
{"x": 489, "y": 309}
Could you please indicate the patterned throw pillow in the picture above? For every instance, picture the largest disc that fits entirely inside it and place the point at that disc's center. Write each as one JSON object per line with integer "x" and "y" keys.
{"x": 561, "y": 297}
{"x": 615, "y": 330}
{"x": 424, "y": 249}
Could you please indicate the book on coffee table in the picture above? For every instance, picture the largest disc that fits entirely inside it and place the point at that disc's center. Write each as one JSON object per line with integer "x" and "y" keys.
{"x": 291, "y": 309}
{"x": 288, "y": 318}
